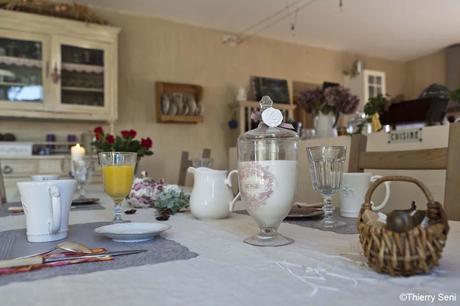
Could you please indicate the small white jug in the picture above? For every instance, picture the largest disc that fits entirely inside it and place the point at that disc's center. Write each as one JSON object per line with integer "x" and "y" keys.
{"x": 354, "y": 188}
{"x": 47, "y": 206}
{"x": 211, "y": 193}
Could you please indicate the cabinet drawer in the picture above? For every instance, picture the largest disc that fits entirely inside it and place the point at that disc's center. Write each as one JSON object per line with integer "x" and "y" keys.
{"x": 11, "y": 167}
{"x": 51, "y": 166}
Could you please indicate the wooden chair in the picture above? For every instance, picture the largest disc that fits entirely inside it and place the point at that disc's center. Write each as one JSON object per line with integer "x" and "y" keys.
{"x": 185, "y": 162}
{"x": 428, "y": 159}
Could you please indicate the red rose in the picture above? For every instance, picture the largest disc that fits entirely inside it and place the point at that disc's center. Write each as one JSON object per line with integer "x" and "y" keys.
{"x": 128, "y": 134}
{"x": 98, "y": 130}
{"x": 146, "y": 143}
{"x": 110, "y": 139}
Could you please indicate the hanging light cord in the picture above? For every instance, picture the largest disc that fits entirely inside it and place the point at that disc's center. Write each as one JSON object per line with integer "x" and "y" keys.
{"x": 280, "y": 15}
{"x": 266, "y": 19}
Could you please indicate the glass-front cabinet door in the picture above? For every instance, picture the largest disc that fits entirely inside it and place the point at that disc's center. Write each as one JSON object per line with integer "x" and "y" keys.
{"x": 23, "y": 60}
{"x": 81, "y": 73}
{"x": 82, "y": 79}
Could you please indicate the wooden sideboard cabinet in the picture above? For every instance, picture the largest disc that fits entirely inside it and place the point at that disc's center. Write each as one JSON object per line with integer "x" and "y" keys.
{"x": 57, "y": 68}
{"x": 19, "y": 169}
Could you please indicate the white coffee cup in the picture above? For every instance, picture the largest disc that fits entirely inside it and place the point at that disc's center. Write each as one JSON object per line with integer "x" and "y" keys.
{"x": 44, "y": 177}
{"x": 47, "y": 206}
{"x": 354, "y": 188}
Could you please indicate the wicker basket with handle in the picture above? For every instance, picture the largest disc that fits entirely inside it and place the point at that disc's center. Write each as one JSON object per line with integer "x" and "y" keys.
{"x": 408, "y": 253}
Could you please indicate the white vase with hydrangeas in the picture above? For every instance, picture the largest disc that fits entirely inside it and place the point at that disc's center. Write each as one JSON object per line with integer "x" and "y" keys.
{"x": 325, "y": 125}
{"x": 327, "y": 105}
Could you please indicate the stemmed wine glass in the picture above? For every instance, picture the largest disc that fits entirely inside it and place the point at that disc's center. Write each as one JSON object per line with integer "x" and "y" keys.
{"x": 118, "y": 175}
{"x": 326, "y": 169}
{"x": 83, "y": 169}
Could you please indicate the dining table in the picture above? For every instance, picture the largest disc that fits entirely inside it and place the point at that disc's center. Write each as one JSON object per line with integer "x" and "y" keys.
{"x": 319, "y": 268}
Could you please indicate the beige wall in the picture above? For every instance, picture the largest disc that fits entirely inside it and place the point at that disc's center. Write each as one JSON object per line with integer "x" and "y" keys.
{"x": 157, "y": 50}
{"x": 152, "y": 49}
{"x": 424, "y": 71}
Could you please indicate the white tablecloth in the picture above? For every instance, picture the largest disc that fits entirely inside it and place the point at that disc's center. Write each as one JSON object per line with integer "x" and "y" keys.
{"x": 320, "y": 268}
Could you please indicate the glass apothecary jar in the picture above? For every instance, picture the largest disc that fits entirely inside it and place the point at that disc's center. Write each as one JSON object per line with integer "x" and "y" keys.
{"x": 267, "y": 172}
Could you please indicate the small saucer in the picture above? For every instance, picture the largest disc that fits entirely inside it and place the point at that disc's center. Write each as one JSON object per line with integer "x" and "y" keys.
{"x": 301, "y": 210}
{"x": 85, "y": 201}
{"x": 132, "y": 232}
{"x": 307, "y": 214}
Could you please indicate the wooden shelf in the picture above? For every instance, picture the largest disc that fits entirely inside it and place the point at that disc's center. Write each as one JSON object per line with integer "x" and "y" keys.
{"x": 56, "y": 143}
{"x": 19, "y": 61}
{"x": 170, "y": 88}
{"x": 87, "y": 89}
{"x": 17, "y": 84}
{"x": 180, "y": 119}
{"x": 82, "y": 68}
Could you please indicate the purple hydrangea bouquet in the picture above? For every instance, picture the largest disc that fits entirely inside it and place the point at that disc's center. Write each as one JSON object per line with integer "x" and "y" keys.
{"x": 334, "y": 100}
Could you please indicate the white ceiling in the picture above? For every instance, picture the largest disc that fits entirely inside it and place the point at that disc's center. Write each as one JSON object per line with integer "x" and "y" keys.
{"x": 393, "y": 29}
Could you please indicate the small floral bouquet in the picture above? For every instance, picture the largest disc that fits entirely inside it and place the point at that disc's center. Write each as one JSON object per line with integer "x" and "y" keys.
{"x": 172, "y": 199}
{"x": 145, "y": 191}
{"x": 125, "y": 142}
{"x": 332, "y": 100}
{"x": 167, "y": 199}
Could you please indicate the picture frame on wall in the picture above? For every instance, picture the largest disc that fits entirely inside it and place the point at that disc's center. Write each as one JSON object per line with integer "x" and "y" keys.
{"x": 276, "y": 89}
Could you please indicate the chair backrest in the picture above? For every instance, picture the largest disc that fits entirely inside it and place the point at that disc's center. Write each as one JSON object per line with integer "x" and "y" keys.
{"x": 427, "y": 159}
{"x": 186, "y": 162}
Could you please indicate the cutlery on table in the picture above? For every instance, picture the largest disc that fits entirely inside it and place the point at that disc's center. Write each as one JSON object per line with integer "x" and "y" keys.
{"x": 66, "y": 246}
{"x": 36, "y": 260}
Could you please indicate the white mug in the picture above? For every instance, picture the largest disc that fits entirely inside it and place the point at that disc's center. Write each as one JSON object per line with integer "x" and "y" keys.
{"x": 47, "y": 206}
{"x": 354, "y": 188}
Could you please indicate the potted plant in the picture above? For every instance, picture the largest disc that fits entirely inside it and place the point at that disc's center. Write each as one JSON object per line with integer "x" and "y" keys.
{"x": 373, "y": 108}
{"x": 327, "y": 105}
{"x": 125, "y": 142}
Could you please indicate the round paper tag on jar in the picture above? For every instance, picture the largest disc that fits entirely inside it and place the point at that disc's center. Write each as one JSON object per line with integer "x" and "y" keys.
{"x": 272, "y": 117}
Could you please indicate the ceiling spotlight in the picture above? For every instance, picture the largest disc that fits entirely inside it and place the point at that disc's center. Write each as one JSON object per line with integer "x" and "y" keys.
{"x": 231, "y": 40}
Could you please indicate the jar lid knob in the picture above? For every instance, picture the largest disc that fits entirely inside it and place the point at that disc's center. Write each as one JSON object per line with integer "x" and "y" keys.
{"x": 265, "y": 102}
{"x": 272, "y": 117}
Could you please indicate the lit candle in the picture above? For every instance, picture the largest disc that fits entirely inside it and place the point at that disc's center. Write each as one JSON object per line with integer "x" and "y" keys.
{"x": 77, "y": 152}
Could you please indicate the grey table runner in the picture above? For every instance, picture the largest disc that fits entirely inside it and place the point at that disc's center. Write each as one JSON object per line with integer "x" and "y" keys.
{"x": 13, "y": 243}
{"x": 5, "y": 213}
{"x": 314, "y": 222}
{"x": 349, "y": 228}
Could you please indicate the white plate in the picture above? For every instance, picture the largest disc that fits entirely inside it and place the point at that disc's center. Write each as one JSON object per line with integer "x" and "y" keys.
{"x": 132, "y": 232}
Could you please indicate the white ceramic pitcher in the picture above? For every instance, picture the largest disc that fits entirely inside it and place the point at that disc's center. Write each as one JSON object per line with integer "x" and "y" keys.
{"x": 47, "y": 206}
{"x": 211, "y": 193}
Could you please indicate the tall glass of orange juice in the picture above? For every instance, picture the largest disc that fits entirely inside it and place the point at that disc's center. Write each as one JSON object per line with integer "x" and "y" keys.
{"x": 118, "y": 174}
